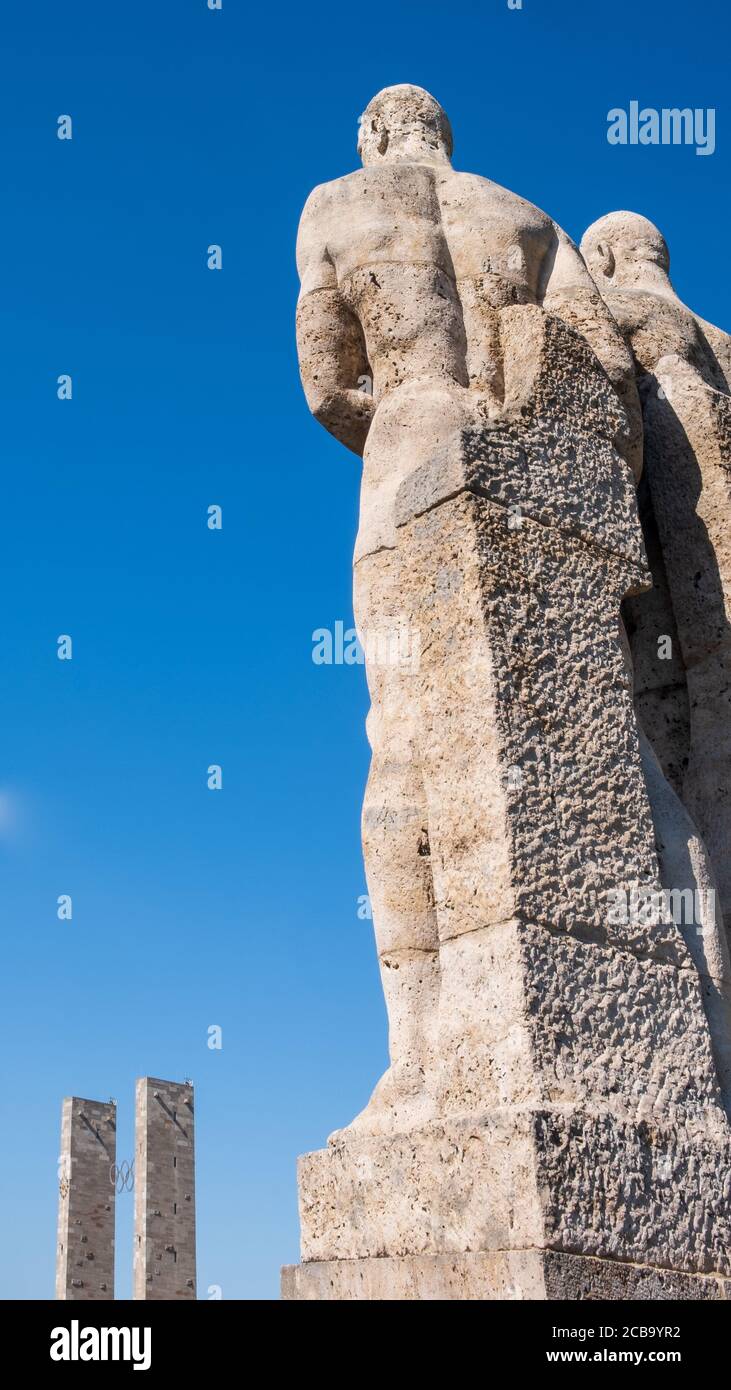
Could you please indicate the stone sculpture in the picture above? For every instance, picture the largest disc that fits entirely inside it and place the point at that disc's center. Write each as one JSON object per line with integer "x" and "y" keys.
{"x": 552, "y": 1123}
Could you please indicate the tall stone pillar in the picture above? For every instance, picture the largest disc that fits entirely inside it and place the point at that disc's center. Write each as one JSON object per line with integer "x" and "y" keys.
{"x": 85, "y": 1244}
{"x": 577, "y": 1145}
{"x": 164, "y": 1233}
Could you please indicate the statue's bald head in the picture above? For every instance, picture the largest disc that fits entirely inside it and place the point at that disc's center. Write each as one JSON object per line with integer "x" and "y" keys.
{"x": 625, "y": 250}
{"x": 404, "y": 124}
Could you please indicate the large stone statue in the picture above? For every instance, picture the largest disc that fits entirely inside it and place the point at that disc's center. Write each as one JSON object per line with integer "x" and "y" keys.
{"x": 552, "y": 1124}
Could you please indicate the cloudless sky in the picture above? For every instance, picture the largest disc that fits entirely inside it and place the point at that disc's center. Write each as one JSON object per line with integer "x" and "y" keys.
{"x": 190, "y": 647}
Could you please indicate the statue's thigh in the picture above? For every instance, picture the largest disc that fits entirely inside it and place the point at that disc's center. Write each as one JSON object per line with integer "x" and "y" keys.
{"x": 395, "y": 829}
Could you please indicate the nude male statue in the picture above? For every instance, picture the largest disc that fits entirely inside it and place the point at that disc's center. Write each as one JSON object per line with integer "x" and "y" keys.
{"x": 405, "y": 267}
{"x": 684, "y": 374}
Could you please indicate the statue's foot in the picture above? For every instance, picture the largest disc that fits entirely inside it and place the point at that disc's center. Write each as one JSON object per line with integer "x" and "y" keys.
{"x": 400, "y": 1103}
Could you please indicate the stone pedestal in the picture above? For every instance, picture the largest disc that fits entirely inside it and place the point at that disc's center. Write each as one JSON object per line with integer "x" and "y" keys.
{"x": 497, "y": 1276}
{"x": 519, "y": 1204}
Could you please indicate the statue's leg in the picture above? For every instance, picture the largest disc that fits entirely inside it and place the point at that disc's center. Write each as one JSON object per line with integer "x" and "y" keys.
{"x": 396, "y": 849}
{"x": 410, "y": 423}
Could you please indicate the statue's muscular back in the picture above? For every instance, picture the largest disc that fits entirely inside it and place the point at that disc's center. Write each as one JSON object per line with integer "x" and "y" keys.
{"x": 424, "y": 257}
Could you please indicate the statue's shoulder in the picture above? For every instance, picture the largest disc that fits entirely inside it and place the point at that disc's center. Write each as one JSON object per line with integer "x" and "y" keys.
{"x": 321, "y": 216}
{"x": 476, "y": 186}
{"x": 327, "y": 196}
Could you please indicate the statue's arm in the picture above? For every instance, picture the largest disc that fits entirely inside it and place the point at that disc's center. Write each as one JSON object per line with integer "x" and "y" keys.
{"x": 569, "y": 292}
{"x": 330, "y": 344}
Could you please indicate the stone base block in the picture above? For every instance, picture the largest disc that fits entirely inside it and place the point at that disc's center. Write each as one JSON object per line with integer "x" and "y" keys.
{"x": 495, "y": 1276}
{"x": 635, "y": 1193}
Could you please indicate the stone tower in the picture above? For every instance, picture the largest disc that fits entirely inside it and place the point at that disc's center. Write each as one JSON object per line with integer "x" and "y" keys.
{"x": 85, "y": 1246}
{"x": 164, "y": 1237}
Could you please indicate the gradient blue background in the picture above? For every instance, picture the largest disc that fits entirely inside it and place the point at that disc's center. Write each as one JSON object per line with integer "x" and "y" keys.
{"x": 236, "y": 908}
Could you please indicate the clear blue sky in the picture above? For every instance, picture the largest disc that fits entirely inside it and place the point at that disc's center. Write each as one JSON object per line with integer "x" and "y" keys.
{"x": 238, "y": 907}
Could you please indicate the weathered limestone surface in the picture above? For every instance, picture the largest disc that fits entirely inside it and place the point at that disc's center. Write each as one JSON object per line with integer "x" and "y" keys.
{"x": 684, "y": 371}
{"x": 85, "y": 1245}
{"x": 555, "y": 1108}
{"x": 660, "y": 686}
{"x": 516, "y": 1180}
{"x": 164, "y": 1230}
{"x": 503, "y": 1275}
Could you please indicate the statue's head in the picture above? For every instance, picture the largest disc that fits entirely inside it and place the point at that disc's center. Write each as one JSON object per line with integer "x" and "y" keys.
{"x": 404, "y": 124}
{"x": 621, "y": 248}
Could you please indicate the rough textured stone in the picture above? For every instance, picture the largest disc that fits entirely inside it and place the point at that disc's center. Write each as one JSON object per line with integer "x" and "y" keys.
{"x": 85, "y": 1245}
{"x": 504, "y": 1275}
{"x": 164, "y": 1236}
{"x": 513, "y": 1179}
